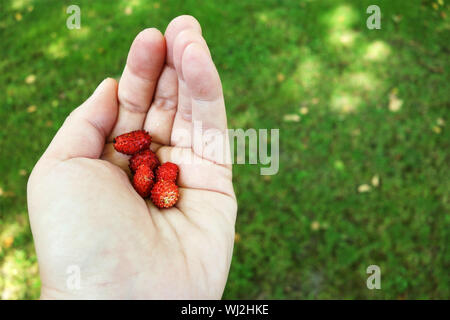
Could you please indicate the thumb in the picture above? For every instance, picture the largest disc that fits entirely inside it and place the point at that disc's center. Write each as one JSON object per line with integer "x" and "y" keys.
{"x": 84, "y": 132}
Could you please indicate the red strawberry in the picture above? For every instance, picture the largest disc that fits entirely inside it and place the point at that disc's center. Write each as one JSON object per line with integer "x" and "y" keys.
{"x": 165, "y": 194}
{"x": 143, "y": 180}
{"x": 147, "y": 157}
{"x": 132, "y": 142}
{"x": 167, "y": 171}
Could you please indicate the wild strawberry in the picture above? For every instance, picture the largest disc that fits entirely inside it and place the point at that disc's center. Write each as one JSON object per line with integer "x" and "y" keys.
{"x": 143, "y": 180}
{"x": 167, "y": 171}
{"x": 165, "y": 194}
{"x": 132, "y": 142}
{"x": 147, "y": 157}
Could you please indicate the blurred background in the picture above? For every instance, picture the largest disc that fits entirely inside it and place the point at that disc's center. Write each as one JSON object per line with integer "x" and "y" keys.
{"x": 364, "y": 140}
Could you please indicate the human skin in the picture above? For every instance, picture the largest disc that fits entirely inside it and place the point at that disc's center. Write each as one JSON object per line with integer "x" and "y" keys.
{"x": 83, "y": 209}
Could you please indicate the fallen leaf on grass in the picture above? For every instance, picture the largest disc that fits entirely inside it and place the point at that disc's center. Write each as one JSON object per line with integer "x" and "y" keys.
{"x": 31, "y": 109}
{"x": 128, "y": 11}
{"x": 8, "y": 241}
{"x": 6, "y": 194}
{"x": 30, "y": 79}
{"x": 395, "y": 103}
{"x": 315, "y": 225}
{"x": 375, "y": 181}
{"x": 304, "y": 110}
{"x": 291, "y": 118}
{"x": 364, "y": 188}
{"x": 437, "y": 129}
{"x": 397, "y": 18}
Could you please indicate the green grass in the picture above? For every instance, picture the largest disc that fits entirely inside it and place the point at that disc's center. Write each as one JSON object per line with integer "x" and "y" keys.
{"x": 306, "y": 232}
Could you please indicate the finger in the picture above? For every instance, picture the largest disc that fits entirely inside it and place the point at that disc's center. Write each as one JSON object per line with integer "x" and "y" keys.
{"x": 184, "y": 39}
{"x": 174, "y": 28}
{"x": 181, "y": 135}
{"x": 181, "y": 128}
{"x": 208, "y": 107}
{"x": 84, "y": 132}
{"x": 205, "y": 88}
{"x": 160, "y": 117}
{"x": 139, "y": 79}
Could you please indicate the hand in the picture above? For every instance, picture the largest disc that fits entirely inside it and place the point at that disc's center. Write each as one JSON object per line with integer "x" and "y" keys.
{"x": 85, "y": 213}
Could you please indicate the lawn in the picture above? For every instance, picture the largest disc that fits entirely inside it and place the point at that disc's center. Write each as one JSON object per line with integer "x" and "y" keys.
{"x": 364, "y": 140}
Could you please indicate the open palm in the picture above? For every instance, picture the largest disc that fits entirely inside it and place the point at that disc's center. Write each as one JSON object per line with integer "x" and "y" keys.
{"x": 86, "y": 216}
